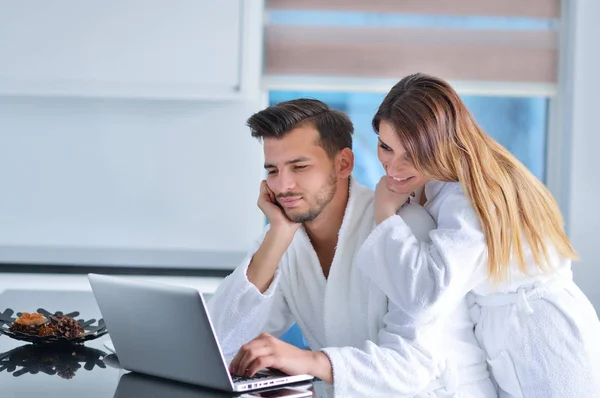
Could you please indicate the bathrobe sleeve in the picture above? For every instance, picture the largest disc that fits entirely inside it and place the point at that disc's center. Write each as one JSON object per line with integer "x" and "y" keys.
{"x": 405, "y": 359}
{"x": 426, "y": 278}
{"x": 239, "y": 311}
{"x": 402, "y": 364}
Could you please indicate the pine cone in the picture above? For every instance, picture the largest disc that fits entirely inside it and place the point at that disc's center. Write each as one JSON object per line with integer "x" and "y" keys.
{"x": 66, "y": 373}
{"x": 67, "y": 369}
{"x": 66, "y": 326}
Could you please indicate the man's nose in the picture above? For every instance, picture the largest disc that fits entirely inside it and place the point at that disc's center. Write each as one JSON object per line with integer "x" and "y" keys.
{"x": 284, "y": 182}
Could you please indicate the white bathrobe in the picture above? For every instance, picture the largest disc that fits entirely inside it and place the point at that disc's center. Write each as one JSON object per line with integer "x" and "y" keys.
{"x": 375, "y": 350}
{"x": 540, "y": 333}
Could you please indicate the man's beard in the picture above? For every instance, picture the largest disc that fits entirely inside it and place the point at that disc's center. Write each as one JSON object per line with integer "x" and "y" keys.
{"x": 323, "y": 197}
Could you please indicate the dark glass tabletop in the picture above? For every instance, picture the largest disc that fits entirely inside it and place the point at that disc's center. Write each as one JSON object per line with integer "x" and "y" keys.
{"x": 88, "y": 370}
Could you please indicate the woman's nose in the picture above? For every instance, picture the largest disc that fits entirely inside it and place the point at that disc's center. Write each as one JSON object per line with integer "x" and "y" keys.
{"x": 397, "y": 165}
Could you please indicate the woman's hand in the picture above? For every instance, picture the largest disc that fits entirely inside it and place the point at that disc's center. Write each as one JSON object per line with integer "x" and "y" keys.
{"x": 387, "y": 202}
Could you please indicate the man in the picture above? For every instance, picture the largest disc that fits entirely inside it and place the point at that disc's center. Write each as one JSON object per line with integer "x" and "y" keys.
{"x": 302, "y": 269}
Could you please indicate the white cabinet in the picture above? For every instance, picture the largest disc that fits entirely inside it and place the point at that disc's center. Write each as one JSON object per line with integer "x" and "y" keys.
{"x": 178, "y": 49}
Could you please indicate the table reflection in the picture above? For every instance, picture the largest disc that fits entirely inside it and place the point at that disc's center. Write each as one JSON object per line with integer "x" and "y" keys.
{"x": 63, "y": 361}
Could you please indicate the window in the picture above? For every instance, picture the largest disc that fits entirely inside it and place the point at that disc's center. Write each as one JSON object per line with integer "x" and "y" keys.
{"x": 500, "y": 56}
{"x": 518, "y": 123}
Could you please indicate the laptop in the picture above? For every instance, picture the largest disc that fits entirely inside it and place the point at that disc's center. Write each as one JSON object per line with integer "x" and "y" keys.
{"x": 165, "y": 331}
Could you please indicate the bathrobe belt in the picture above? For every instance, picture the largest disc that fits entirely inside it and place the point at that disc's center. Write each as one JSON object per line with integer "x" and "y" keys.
{"x": 455, "y": 376}
{"x": 520, "y": 298}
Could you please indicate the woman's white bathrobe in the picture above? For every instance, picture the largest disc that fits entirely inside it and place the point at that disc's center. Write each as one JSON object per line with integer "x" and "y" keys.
{"x": 540, "y": 333}
{"x": 375, "y": 350}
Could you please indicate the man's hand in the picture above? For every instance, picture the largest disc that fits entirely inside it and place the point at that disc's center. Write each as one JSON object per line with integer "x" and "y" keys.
{"x": 387, "y": 202}
{"x": 266, "y": 259}
{"x": 267, "y": 203}
{"x": 267, "y": 351}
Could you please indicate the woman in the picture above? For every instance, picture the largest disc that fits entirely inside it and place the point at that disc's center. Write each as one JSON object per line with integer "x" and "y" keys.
{"x": 499, "y": 241}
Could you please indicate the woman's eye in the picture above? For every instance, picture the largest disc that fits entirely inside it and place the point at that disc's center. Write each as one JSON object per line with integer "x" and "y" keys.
{"x": 385, "y": 147}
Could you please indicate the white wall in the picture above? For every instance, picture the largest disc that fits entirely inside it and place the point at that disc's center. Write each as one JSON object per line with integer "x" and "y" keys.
{"x": 127, "y": 182}
{"x": 139, "y": 48}
{"x": 584, "y": 217}
{"x": 101, "y": 160}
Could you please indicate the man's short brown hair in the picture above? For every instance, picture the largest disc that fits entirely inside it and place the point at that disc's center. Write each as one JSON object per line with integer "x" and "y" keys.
{"x": 334, "y": 127}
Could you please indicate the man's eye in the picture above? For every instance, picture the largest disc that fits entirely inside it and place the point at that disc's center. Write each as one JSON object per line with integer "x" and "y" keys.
{"x": 271, "y": 172}
{"x": 299, "y": 167}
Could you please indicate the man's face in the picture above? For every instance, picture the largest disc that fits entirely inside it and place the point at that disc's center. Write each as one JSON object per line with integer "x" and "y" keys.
{"x": 300, "y": 173}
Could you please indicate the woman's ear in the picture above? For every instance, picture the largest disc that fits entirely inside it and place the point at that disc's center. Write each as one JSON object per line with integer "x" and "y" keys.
{"x": 344, "y": 162}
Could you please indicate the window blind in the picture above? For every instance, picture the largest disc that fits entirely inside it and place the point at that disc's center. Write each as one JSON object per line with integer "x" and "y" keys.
{"x": 460, "y": 40}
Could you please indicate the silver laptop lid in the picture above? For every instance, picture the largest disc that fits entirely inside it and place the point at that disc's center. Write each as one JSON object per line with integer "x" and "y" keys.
{"x": 161, "y": 330}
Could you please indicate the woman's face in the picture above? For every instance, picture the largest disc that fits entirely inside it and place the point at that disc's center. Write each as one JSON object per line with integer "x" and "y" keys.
{"x": 402, "y": 175}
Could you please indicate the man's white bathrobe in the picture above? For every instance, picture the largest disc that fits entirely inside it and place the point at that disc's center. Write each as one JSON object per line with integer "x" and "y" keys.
{"x": 540, "y": 333}
{"x": 376, "y": 350}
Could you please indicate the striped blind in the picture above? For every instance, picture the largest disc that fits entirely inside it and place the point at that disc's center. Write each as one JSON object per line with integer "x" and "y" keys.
{"x": 459, "y": 40}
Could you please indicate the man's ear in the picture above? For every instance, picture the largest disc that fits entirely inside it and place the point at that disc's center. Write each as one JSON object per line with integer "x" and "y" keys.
{"x": 344, "y": 162}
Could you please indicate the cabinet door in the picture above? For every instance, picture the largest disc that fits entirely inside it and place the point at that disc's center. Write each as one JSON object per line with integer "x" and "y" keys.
{"x": 131, "y": 48}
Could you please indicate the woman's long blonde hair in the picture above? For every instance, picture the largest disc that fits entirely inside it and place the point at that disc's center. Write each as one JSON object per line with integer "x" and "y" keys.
{"x": 445, "y": 143}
